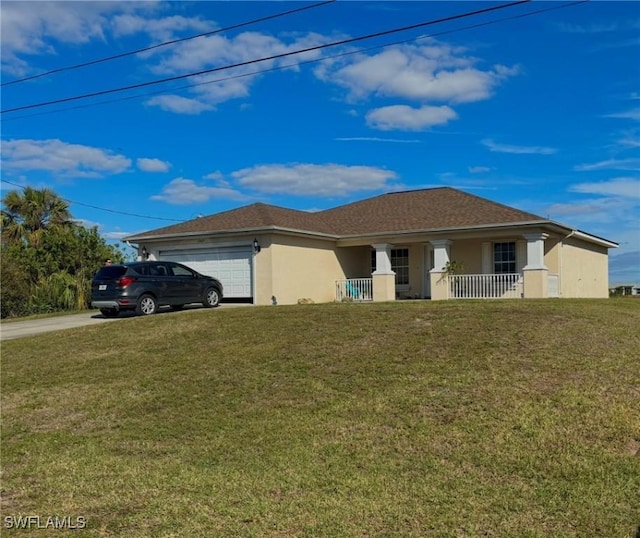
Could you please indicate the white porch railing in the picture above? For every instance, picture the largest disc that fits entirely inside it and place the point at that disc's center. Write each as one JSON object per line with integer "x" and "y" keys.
{"x": 504, "y": 286}
{"x": 354, "y": 289}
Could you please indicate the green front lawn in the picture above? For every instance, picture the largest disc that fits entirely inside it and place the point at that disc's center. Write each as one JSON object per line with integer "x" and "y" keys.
{"x": 516, "y": 418}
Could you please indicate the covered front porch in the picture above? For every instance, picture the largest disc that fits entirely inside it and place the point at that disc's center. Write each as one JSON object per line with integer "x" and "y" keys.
{"x": 465, "y": 268}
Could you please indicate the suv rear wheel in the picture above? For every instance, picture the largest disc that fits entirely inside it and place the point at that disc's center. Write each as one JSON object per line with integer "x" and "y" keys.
{"x": 211, "y": 298}
{"x": 147, "y": 305}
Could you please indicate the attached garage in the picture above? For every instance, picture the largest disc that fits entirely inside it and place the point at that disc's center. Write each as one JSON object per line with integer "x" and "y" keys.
{"x": 233, "y": 266}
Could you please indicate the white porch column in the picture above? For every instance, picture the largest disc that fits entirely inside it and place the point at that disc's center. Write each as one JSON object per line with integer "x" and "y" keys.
{"x": 383, "y": 278}
{"x": 439, "y": 280}
{"x": 535, "y": 272}
{"x": 535, "y": 251}
{"x": 441, "y": 254}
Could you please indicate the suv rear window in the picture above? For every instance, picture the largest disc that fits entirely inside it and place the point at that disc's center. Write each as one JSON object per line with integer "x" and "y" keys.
{"x": 111, "y": 271}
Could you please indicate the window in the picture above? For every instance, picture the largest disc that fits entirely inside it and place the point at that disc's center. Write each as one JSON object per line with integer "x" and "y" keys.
{"x": 504, "y": 258}
{"x": 179, "y": 270}
{"x": 399, "y": 264}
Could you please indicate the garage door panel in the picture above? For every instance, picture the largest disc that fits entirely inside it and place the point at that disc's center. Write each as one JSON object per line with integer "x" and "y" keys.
{"x": 231, "y": 266}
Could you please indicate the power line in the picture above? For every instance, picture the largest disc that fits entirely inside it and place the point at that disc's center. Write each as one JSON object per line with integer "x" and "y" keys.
{"x": 273, "y": 57}
{"x": 306, "y": 62}
{"x": 166, "y": 43}
{"x": 100, "y": 208}
{"x": 513, "y": 17}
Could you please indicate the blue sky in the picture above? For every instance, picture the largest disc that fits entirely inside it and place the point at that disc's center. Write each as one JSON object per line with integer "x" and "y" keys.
{"x": 539, "y": 112}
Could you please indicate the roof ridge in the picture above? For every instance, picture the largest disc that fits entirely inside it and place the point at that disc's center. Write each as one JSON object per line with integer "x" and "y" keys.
{"x": 386, "y": 194}
{"x": 471, "y": 195}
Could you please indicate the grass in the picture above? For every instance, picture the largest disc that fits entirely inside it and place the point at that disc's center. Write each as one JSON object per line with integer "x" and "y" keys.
{"x": 408, "y": 419}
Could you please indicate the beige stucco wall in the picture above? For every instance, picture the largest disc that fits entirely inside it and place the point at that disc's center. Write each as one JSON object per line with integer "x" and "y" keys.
{"x": 468, "y": 252}
{"x": 355, "y": 261}
{"x": 292, "y": 268}
{"x": 289, "y": 268}
{"x": 552, "y": 246}
{"x": 584, "y": 269}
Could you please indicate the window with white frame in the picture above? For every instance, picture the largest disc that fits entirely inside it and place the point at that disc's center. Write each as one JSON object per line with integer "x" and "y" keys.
{"x": 399, "y": 264}
{"x": 504, "y": 257}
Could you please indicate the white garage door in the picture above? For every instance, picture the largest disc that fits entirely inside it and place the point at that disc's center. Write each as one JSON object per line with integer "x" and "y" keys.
{"x": 231, "y": 266}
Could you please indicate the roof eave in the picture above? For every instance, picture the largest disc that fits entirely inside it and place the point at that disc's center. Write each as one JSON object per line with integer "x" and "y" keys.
{"x": 450, "y": 229}
{"x": 228, "y": 233}
{"x": 560, "y": 228}
{"x": 594, "y": 239}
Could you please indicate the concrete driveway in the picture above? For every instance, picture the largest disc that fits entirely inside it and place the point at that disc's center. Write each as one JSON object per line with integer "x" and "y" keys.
{"x": 18, "y": 329}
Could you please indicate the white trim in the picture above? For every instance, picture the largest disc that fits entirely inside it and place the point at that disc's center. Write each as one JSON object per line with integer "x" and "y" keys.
{"x": 383, "y": 259}
{"x": 535, "y": 251}
{"x": 441, "y": 254}
{"x": 521, "y": 255}
{"x": 593, "y": 239}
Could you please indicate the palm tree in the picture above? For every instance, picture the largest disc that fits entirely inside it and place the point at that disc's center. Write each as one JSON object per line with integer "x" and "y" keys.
{"x": 26, "y": 215}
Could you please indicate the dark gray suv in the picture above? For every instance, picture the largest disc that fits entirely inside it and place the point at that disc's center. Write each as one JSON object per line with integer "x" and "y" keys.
{"x": 144, "y": 286}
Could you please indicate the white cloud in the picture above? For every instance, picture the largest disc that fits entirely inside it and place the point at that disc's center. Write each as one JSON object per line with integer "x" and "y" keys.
{"x": 479, "y": 169}
{"x": 61, "y": 158}
{"x": 402, "y": 117}
{"x": 211, "y": 52}
{"x": 632, "y": 114}
{"x": 178, "y": 104}
{"x": 596, "y": 209}
{"x": 216, "y": 50}
{"x": 161, "y": 29}
{"x": 572, "y": 28}
{"x": 624, "y": 268}
{"x": 376, "y": 139}
{"x": 423, "y": 73}
{"x": 182, "y": 191}
{"x": 622, "y": 186}
{"x": 610, "y": 164}
{"x": 153, "y": 165}
{"x": 506, "y": 148}
{"x": 214, "y": 175}
{"x": 36, "y": 28}
{"x": 629, "y": 142}
{"x": 313, "y": 179}
{"x": 115, "y": 236}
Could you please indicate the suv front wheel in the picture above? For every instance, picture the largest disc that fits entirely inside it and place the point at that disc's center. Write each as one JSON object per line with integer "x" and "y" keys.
{"x": 211, "y": 298}
{"x": 147, "y": 305}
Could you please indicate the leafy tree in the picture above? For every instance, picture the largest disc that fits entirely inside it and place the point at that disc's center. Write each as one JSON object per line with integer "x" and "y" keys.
{"x": 15, "y": 288}
{"x": 28, "y": 214}
{"x": 48, "y": 260}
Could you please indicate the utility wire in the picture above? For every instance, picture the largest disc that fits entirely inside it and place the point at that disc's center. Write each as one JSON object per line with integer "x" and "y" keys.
{"x": 166, "y": 43}
{"x": 306, "y": 62}
{"x": 469, "y": 27}
{"x": 273, "y": 57}
{"x": 100, "y": 208}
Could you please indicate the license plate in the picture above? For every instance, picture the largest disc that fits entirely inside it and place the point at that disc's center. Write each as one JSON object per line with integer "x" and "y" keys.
{"x": 102, "y": 287}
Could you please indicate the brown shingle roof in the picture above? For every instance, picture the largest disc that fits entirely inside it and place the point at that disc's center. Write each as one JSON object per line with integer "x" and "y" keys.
{"x": 426, "y": 209}
{"x": 254, "y": 216}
